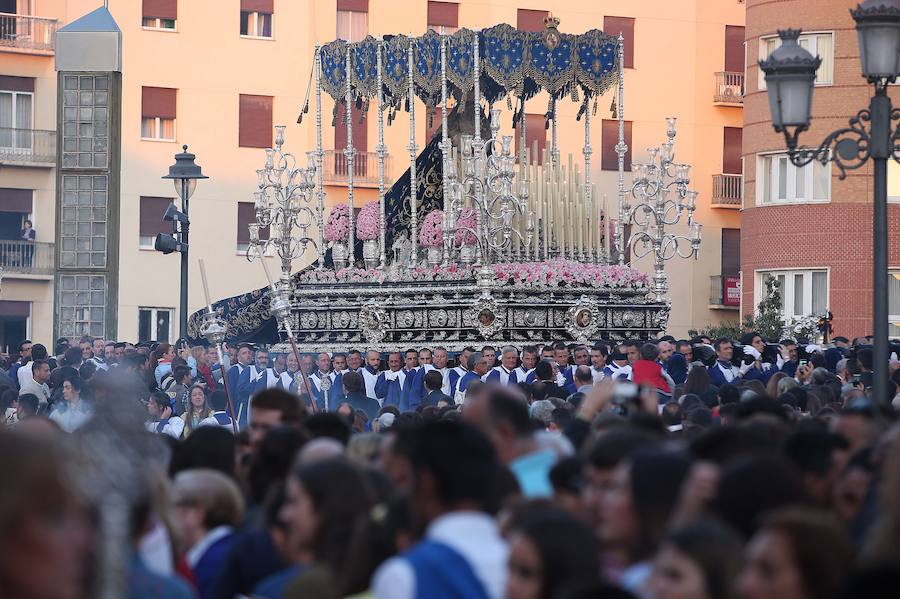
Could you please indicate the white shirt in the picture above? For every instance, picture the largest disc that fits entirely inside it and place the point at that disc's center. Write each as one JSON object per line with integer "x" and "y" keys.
{"x": 24, "y": 373}
{"x": 522, "y": 374}
{"x": 474, "y": 535}
{"x": 100, "y": 363}
{"x": 597, "y": 374}
{"x": 445, "y": 372}
{"x": 196, "y": 552}
{"x": 369, "y": 379}
{"x": 174, "y": 427}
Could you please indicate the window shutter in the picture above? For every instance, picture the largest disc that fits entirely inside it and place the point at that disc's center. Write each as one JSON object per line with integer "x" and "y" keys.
{"x": 625, "y": 26}
{"x": 443, "y": 14}
{"x": 266, "y": 6}
{"x": 731, "y": 251}
{"x": 731, "y": 150}
{"x": 158, "y": 102}
{"x": 15, "y": 308}
{"x": 734, "y": 49}
{"x": 534, "y": 132}
{"x": 246, "y": 215}
{"x": 15, "y": 200}
{"x": 161, "y": 9}
{"x": 530, "y": 20}
{"x": 609, "y": 160}
{"x": 353, "y": 5}
{"x": 152, "y": 210}
{"x": 9, "y": 83}
{"x": 255, "y": 122}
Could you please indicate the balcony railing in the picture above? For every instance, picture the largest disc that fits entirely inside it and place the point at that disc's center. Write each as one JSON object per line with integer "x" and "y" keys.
{"x": 336, "y": 170}
{"x": 24, "y": 33}
{"x": 729, "y": 88}
{"x": 725, "y": 292}
{"x": 35, "y": 147}
{"x": 26, "y": 257}
{"x": 728, "y": 191}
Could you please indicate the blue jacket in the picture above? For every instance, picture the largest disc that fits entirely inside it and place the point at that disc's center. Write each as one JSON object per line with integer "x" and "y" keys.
{"x": 466, "y": 380}
{"x": 442, "y": 573}
{"x": 453, "y": 376}
{"x": 494, "y": 376}
{"x": 391, "y": 391}
{"x": 569, "y": 380}
{"x": 242, "y": 389}
{"x": 677, "y": 368}
{"x": 209, "y": 565}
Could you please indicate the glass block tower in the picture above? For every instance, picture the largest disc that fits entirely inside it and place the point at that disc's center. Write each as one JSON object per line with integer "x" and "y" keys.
{"x": 89, "y": 101}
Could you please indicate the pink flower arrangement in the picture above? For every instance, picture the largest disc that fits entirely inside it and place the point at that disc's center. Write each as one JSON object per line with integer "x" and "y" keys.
{"x": 337, "y": 227}
{"x": 368, "y": 223}
{"x": 467, "y": 220}
{"x": 432, "y": 233}
{"x": 557, "y": 272}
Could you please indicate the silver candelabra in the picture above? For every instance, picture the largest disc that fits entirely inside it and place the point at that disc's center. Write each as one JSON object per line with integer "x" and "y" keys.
{"x": 284, "y": 203}
{"x": 661, "y": 194}
{"x": 486, "y": 187}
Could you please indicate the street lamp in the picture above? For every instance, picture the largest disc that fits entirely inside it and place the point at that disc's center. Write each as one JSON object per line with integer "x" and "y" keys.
{"x": 790, "y": 78}
{"x": 184, "y": 174}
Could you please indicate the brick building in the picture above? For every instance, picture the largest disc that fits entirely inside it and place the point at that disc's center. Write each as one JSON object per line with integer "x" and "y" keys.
{"x": 807, "y": 227}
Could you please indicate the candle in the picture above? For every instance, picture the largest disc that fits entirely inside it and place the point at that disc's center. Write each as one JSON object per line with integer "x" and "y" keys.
{"x": 579, "y": 208}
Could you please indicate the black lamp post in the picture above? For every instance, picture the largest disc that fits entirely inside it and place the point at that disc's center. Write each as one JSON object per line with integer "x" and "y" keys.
{"x": 873, "y": 133}
{"x": 184, "y": 174}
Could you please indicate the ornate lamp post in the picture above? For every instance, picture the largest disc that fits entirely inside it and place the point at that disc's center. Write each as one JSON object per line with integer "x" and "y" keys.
{"x": 284, "y": 203}
{"x": 487, "y": 187}
{"x": 661, "y": 192}
{"x": 184, "y": 174}
{"x": 871, "y": 134}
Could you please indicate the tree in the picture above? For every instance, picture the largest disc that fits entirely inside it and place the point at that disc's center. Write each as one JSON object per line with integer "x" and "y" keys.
{"x": 769, "y": 318}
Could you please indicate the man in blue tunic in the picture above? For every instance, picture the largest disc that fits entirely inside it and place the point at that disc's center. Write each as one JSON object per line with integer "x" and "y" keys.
{"x": 389, "y": 387}
{"x": 240, "y": 383}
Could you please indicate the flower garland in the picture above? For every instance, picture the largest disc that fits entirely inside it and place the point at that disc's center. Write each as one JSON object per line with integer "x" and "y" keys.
{"x": 337, "y": 228}
{"x": 368, "y": 223}
{"x": 432, "y": 233}
{"x": 557, "y": 272}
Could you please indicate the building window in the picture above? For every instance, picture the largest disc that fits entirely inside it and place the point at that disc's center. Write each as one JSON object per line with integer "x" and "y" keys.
{"x": 82, "y": 305}
{"x": 352, "y": 20}
{"x": 151, "y": 220}
{"x": 256, "y": 24}
{"x": 443, "y": 16}
{"x": 158, "y": 113}
{"x": 535, "y": 135}
{"x": 255, "y": 121}
{"x": 530, "y": 20}
{"x": 803, "y": 292}
{"x": 609, "y": 159}
{"x": 779, "y": 181}
{"x": 818, "y": 44}
{"x": 624, "y": 26}
{"x": 894, "y": 304}
{"x": 16, "y": 118}
{"x": 155, "y": 324}
{"x": 732, "y": 162}
{"x": 159, "y": 14}
{"x": 83, "y": 221}
{"x": 246, "y": 215}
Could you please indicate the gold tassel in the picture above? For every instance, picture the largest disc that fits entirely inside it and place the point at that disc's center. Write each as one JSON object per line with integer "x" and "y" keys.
{"x": 594, "y": 112}
{"x": 612, "y": 109}
{"x": 574, "y": 93}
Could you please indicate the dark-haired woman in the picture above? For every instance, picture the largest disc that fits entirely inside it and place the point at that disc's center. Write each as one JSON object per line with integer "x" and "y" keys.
{"x": 551, "y": 552}
{"x": 326, "y": 504}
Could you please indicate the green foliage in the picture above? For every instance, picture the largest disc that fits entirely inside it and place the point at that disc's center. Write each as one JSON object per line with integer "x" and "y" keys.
{"x": 727, "y": 328}
{"x": 769, "y": 319}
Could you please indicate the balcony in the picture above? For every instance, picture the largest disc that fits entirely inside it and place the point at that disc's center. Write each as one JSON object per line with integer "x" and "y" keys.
{"x": 729, "y": 89}
{"x": 27, "y": 35}
{"x": 27, "y": 147}
{"x": 336, "y": 171}
{"x": 728, "y": 191}
{"x": 724, "y": 292}
{"x": 26, "y": 259}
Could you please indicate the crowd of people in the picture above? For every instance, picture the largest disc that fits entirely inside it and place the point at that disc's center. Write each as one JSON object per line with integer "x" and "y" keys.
{"x": 662, "y": 469}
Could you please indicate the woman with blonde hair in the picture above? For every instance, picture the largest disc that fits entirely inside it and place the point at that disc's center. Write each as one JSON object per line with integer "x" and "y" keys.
{"x": 198, "y": 410}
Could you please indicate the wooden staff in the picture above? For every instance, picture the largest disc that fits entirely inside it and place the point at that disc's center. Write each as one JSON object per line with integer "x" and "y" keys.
{"x": 290, "y": 333}
{"x": 219, "y": 351}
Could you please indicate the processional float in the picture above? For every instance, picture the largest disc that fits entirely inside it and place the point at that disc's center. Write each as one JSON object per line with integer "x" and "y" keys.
{"x": 479, "y": 241}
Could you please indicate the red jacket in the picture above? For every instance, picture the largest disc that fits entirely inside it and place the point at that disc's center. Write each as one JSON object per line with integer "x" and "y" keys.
{"x": 647, "y": 372}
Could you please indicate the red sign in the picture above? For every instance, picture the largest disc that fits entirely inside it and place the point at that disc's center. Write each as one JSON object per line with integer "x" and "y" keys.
{"x": 731, "y": 291}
